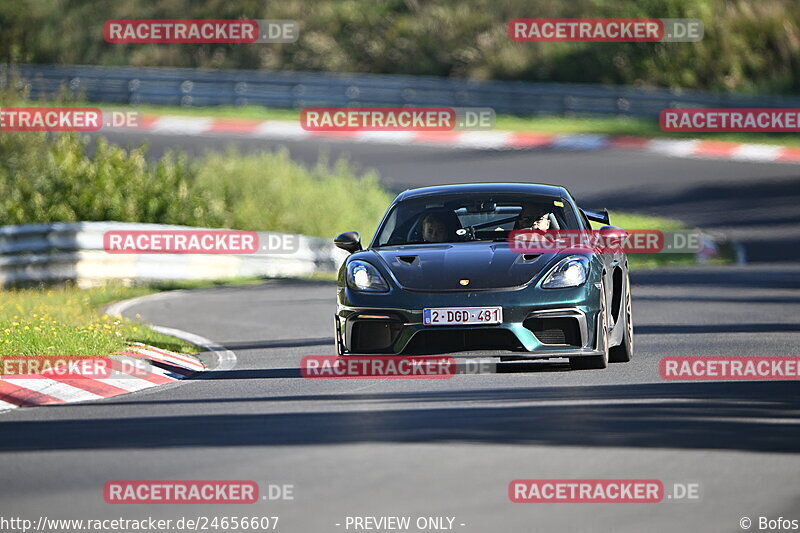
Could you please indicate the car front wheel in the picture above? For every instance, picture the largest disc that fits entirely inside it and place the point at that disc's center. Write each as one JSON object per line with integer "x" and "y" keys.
{"x": 624, "y": 352}
{"x": 596, "y": 362}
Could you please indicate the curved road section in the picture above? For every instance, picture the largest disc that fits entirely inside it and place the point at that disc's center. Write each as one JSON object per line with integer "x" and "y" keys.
{"x": 449, "y": 448}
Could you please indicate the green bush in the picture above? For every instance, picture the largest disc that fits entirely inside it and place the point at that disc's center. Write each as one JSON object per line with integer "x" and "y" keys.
{"x": 270, "y": 191}
{"x": 46, "y": 178}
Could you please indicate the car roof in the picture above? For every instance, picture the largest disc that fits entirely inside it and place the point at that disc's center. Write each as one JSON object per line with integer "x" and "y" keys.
{"x": 496, "y": 188}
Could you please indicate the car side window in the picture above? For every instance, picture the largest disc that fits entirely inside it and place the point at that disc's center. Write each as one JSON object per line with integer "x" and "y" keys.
{"x": 391, "y": 230}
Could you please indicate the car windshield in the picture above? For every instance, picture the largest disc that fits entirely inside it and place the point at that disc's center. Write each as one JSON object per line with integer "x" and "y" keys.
{"x": 471, "y": 218}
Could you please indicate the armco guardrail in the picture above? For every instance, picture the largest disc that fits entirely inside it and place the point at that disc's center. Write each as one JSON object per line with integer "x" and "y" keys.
{"x": 199, "y": 87}
{"x": 74, "y": 252}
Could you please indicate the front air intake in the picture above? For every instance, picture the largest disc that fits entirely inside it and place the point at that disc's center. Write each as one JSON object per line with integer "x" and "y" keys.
{"x": 556, "y": 330}
{"x": 374, "y": 336}
{"x": 432, "y": 341}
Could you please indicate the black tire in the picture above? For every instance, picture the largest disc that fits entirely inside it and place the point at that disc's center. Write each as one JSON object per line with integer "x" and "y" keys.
{"x": 596, "y": 362}
{"x": 624, "y": 352}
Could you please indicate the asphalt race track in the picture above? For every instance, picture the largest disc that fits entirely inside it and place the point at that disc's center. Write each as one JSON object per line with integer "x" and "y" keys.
{"x": 450, "y": 447}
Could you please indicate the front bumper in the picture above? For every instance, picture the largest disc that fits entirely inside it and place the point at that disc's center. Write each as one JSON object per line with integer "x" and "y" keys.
{"x": 537, "y": 323}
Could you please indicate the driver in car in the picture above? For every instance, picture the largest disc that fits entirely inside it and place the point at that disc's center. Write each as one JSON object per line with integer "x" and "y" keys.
{"x": 532, "y": 217}
{"x": 434, "y": 228}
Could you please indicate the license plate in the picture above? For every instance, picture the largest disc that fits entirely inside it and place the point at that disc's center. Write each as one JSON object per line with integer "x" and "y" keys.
{"x": 450, "y": 316}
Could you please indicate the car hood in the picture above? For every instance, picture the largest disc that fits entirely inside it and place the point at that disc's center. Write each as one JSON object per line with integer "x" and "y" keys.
{"x": 443, "y": 267}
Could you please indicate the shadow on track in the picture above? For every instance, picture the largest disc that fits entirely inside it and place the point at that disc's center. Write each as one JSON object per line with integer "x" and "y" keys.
{"x": 777, "y": 299}
{"x": 773, "y": 277}
{"x": 684, "y": 329}
{"x": 279, "y": 343}
{"x": 720, "y": 416}
{"x": 294, "y": 373}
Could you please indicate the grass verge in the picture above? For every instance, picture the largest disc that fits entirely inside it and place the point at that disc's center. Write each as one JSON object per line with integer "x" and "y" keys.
{"x": 69, "y": 321}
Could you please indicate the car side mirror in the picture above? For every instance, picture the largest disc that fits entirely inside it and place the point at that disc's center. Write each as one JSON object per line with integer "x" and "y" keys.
{"x": 613, "y": 234}
{"x": 349, "y": 241}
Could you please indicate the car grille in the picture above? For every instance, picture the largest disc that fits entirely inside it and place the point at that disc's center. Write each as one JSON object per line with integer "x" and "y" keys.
{"x": 432, "y": 341}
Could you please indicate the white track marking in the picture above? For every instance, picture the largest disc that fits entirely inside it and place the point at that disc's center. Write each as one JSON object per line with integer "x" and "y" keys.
{"x": 128, "y": 384}
{"x": 226, "y": 359}
{"x": 182, "y": 125}
{"x": 672, "y": 147}
{"x": 56, "y": 389}
{"x": 5, "y": 406}
{"x": 756, "y": 152}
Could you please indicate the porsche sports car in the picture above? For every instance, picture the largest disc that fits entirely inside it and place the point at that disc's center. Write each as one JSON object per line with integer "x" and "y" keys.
{"x": 440, "y": 276}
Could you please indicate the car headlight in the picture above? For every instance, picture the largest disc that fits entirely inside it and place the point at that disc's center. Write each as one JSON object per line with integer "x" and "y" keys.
{"x": 363, "y": 276}
{"x": 569, "y": 272}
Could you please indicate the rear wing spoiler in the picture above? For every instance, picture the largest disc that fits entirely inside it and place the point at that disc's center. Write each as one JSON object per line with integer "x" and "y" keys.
{"x": 598, "y": 216}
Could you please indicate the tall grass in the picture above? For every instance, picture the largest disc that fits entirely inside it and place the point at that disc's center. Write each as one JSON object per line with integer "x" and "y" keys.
{"x": 67, "y": 321}
{"x": 270, "y": 191}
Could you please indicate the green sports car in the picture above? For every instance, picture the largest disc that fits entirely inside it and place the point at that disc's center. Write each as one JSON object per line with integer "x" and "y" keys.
{"x": 441, "y": 276}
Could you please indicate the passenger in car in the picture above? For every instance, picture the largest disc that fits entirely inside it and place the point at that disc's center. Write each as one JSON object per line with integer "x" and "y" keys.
{"x": 532, "y": 217}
